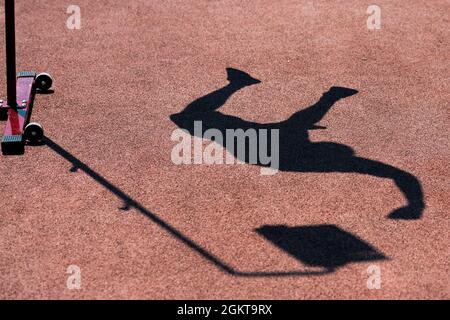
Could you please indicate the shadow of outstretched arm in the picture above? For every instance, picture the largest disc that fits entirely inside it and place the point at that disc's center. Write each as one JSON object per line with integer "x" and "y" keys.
{"x": 407, "y": 183}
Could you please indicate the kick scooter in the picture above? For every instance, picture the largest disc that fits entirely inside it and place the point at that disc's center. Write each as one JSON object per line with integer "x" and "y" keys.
{"x": 21, "y": 90}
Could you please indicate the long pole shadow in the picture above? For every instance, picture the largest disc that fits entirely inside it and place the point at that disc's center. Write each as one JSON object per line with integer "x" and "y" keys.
{"x": 130, "y": 203}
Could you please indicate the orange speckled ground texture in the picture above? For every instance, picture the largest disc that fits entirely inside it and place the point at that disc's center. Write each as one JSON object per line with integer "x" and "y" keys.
{"x": 191, "y": 231}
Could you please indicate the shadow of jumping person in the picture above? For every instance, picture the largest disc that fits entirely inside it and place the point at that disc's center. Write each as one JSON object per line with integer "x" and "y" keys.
{"x": 296, "y": 152}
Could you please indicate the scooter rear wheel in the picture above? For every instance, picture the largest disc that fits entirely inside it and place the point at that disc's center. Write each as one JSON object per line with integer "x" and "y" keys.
{"x": 44, "y": 81}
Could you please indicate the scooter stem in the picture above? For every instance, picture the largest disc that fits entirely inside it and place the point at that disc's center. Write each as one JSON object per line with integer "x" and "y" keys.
{"x": 10, "y": 37}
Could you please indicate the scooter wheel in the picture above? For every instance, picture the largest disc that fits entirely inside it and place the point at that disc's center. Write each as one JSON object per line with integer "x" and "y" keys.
{"x": 34, "y": 132}
{"x": 44, "y": 81}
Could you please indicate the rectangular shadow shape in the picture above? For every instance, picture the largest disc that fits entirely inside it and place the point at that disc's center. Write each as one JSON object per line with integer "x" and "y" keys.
{"x": 325, "y": 246}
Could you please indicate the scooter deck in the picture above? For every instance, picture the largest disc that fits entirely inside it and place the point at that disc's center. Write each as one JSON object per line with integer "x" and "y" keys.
{"x": 13, "y": 141}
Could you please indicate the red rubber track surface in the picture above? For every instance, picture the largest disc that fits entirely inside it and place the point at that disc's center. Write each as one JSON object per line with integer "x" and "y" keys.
{"x": 190, "y": 231}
